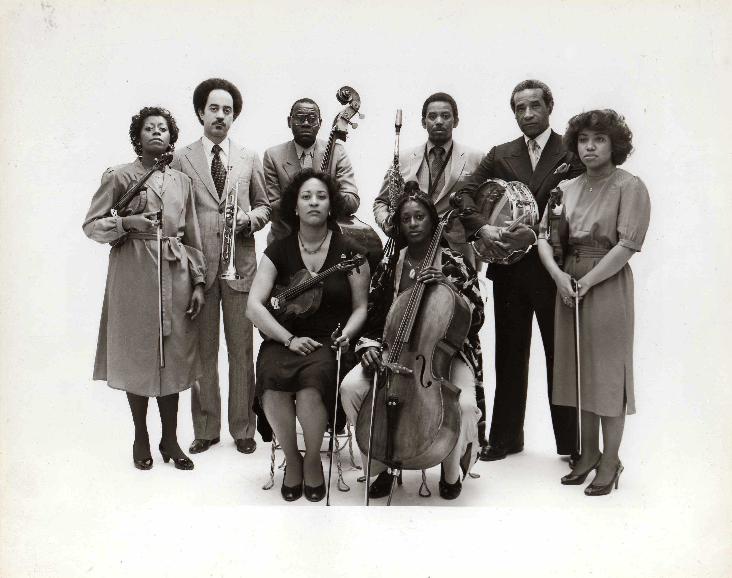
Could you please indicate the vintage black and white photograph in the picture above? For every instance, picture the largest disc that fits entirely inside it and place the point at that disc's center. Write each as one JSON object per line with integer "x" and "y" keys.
{"x": 365, "y": 289}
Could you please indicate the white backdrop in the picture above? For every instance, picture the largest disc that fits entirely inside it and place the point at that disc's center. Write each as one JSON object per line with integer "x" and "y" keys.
{"x": 73, "y": 73}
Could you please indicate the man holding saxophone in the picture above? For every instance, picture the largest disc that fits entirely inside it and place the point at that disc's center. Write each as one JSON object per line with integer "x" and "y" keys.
{"x": 221, "y": 170}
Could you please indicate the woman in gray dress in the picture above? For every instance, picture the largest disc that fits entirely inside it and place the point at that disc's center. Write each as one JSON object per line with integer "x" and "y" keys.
{"x": 607, "y": 211}
{"x": 128, "y": 356}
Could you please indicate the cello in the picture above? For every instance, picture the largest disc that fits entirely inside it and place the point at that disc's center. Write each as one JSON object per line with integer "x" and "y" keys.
{"x": 411, "y": 418}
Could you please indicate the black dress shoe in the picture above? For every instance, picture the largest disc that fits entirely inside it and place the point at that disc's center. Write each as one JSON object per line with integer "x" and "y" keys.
{"x": 578, "y": 478}
{"x": 200, "y": 445}
{"x": 145, "y": 463}
{"x": 573, "y": 459}
{"x": 496, "y": 452}
{"x": 183, "y": 463}
{"x": 381, "y": 486}
{"x": 314, "y": 493}
{"x": 598, "y": 490}
{"x": 246, "y": 446}
{"x": 449, "y": 491}
{"x": 290, "y": 493}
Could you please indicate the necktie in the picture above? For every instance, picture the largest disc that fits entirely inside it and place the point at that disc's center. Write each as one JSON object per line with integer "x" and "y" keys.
{"x": 437, "y": 159}
{"x": 534, "y": 152}
{"x": 218, "y": 172}
{"x": 306, "y": 160}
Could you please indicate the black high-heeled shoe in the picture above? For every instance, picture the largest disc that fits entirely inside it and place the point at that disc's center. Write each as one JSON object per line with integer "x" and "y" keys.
{"x": 290, "y": 493}
{"x": 183, "y": 463}
{"x": 381, "y": 486}
{"x": 598, "y": 490}
{"x": 141, "y": 463}
{"x": 578, "y": 478}
{"x": 449, "y": 491}
{"x": 314, "y": 493}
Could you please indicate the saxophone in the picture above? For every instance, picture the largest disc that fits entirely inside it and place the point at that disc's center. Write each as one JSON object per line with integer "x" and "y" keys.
{"x": 396, "y": 183}
{"x": 227, "y": 240}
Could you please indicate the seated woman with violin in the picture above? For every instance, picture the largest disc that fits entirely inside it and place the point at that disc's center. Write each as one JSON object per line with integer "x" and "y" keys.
{"x": 145, "y": 209}
{"x": 296, "y": 367}
{"x": 415, "y": 224}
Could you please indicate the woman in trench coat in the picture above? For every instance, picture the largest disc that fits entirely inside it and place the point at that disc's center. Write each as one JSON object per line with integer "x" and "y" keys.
{"x": 128, "y": 353}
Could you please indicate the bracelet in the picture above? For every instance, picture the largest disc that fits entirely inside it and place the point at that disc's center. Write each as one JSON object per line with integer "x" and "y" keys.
{"x": 287, "y": 343}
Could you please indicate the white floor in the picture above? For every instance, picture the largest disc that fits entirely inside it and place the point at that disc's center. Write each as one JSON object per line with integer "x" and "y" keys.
{"x": 73, "y": 505}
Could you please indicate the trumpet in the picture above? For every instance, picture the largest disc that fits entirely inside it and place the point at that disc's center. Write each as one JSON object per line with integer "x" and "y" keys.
{"x": 227, "y": 239}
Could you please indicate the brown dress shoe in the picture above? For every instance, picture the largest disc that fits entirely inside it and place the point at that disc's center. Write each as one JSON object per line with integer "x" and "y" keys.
{"x": 246, "y": 446}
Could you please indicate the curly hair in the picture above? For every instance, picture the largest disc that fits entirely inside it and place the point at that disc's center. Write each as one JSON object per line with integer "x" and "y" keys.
{"x": 288, "y": 200}
{"x": 532, "y": 83}
{"x": 412, "y": 192}
{"x": 139, "y": 119}
{"x": 200, "y": 95}
{"x": 440, "y": 97}
{"x": 304, "y": 101}
{"x": 606, "y": 121}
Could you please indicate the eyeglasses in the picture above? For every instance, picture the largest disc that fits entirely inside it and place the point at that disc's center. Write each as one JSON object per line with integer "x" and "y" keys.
{"x": 312, "y": 119}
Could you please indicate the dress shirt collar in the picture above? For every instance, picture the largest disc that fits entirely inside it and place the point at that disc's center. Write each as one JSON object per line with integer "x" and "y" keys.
{"x": 208, "y": 145}
{"x": 431, "y": 145}
{"x": 541, "y": 140}
{"x": 299, "y": 150}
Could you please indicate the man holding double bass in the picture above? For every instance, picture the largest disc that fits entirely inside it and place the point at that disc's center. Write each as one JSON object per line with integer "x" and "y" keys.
{"x": 539, "y": 160}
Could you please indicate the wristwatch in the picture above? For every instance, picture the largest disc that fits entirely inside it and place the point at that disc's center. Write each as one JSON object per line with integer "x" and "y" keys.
{"x": 287, "y": 343}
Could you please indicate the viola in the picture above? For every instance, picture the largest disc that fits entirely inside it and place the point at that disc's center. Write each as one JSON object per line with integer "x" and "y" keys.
{"x": 133, "y": 201}
{"x": 416, "y": 413}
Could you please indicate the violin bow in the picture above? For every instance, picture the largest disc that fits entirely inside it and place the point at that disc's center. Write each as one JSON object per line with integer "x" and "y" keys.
{"x": 578, "y": 376}
{"x": 335, "y": 335}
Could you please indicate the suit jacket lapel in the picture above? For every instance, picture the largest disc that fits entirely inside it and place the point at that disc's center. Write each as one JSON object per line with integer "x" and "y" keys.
{"x": 236, "y": 159}
{"x": 197, "y": 157}
{"x": 458, "y": 164}
{"x": 319, "y": 153}
{"x": 548, "y": 160}
{"x": 519, "y": 161}
{"x": 415, "y": 160}
{"x": 291, "y": 164}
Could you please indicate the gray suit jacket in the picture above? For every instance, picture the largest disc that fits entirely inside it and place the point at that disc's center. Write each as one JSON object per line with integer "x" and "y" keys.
{"x": 246, "y": 170}
{"x": 465, "y": 161}
{"x": 281, "y": 165}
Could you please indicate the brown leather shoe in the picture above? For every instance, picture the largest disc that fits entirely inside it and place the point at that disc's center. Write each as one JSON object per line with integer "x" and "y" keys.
{"x": 200, "y": 445}
{"x": 246, "y": 446}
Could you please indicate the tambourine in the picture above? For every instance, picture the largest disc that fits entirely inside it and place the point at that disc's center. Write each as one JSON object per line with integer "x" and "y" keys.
{"x": 505, "y": 205}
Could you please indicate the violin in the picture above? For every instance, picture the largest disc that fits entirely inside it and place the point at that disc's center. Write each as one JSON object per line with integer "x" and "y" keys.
{"x": 416, "y": 414}
{"x": 558, "y": 227}
{"x": 134, "y": 200}
{"x": 351, "y": 226}
{"x": 301, "y": 297}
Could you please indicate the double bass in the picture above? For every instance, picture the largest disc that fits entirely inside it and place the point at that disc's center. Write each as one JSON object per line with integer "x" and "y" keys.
{"x": 361, "y": 234}
{"x": 411, "y": 419}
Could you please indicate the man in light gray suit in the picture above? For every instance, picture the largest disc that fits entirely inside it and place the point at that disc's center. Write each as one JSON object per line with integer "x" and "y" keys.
{"x": 440, "y": 166}
{"x": 283, "y": 161}
{"x": 216, "y": 163}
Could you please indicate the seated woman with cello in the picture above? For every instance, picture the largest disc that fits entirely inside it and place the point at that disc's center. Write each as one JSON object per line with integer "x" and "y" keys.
{"x": 416, "y": 235}
{"x": 296, "y": 367}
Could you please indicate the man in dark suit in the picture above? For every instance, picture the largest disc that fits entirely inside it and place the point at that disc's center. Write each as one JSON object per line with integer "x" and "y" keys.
{"x": 539, "y": 160}
{"x": 217, "y": 165}
{"x": 283, "y": 161}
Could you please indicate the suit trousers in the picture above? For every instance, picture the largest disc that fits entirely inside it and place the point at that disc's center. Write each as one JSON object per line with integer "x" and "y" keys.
{"x": 520, "y": 291}
{"x": 206, "y": 396}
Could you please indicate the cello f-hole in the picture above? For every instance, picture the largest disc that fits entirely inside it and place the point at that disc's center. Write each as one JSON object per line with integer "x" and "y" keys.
{"x": 421, "y": 358}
